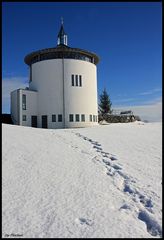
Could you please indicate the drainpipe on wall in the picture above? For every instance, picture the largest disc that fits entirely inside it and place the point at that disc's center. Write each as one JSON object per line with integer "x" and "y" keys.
{"x": 18, "y": 106}
{"x": 63, "y": 93}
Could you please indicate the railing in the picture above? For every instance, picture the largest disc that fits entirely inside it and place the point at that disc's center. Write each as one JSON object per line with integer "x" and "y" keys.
{"x": 121, "y": 112}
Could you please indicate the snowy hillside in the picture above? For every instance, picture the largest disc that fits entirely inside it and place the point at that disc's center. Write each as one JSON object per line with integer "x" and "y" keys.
{"x": 104, "y": 181}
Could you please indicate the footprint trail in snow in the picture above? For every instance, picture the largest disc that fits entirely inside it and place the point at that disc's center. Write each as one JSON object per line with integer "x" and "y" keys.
{"x": 124, "y": 183}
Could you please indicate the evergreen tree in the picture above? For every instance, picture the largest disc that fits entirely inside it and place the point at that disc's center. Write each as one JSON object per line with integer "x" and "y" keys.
{"x": 105, "y": 103}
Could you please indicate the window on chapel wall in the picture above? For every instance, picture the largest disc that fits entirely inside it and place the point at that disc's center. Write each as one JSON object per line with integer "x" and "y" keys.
{"x": 72, "y": 80}
{"x": 77, "y": 117}
{"x": 83, "y": 117}
{"x": 24, "y": 118}
{"x": 76, "y": 80}
{"x": 80, "y": 80}
{"x": 53, "y": 118}
{"x": 23, "y": 102}
{"x": 71, "y": 117}
{"x": 59, "y": 117}
{"x": 30, "y": 79}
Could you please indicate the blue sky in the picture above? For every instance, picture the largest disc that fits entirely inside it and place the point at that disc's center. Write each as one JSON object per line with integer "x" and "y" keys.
{"x": 126, "y": 36}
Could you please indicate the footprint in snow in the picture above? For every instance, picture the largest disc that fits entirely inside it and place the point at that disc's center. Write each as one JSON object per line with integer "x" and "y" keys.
{"x": 105, "y": 155}
{"x": 129, "y": 189}
{"x": 125, "y": 206}
{"x": 152, "y": 225}
{"x": 111, "y": 172}
{"x": 147, "y": 202}
{"x": 85, "y": 138}
{"x": 107, "y": 162}
{"x": 113, "y": 158}
{"x": 96, "y": 144}
{"x": 117, "y": 167}
{"x": 84, "y": 221}
{"x": 98, "y": 148}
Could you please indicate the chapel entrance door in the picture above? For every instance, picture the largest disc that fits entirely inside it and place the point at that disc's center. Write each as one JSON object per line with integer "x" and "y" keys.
{"x": 44, "y": 121}
{"x": 34, "y": 121}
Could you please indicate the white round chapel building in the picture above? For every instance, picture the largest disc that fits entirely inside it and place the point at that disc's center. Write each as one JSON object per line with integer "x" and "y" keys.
{"x": 62, "y": 89}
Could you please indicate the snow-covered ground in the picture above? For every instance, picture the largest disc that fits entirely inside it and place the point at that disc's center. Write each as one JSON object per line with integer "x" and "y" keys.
{"x": 103, "y": 181}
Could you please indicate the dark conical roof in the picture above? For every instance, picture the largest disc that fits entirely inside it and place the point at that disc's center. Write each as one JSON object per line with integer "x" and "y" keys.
{"x": 61, "y": 32}
{"x": 61, "y": 51}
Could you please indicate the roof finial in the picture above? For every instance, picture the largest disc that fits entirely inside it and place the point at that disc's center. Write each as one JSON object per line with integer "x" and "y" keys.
{"x": 62, "y": 21}
{"x": 62, "y": 36}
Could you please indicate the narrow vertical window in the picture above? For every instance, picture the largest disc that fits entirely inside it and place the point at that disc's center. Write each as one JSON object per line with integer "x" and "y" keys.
{"x": 72, "y": 80}
{"x": 90, "y": 116}
{"x": 31, "y": 73}
{"x": 59, "y": 117}
{"x": 24, "y": 102}
{"x": 82, "y": 117}
{"x": 93, "y": 118}
{"x": 80, "y": 80}
{"x": 71, "y": 117}
{"x": 53, "y": 118}
{"x": 77, "y": 117}
{"x": 76, "y": 80}
{"x": 24, "y": 118}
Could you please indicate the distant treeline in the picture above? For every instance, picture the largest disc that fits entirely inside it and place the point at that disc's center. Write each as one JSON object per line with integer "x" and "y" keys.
{"x": 6, "y": 118}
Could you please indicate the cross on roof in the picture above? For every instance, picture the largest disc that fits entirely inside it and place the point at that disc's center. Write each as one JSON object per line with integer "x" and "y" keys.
{"x": 62, "y": 21}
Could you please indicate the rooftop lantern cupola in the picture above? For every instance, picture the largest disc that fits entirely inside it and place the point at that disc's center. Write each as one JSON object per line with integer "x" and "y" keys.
{"x": 62, "y": 36}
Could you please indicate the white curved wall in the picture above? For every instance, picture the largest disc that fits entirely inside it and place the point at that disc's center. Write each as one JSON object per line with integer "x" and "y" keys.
{"x": 47, "y": 79}
{"x": 80, "y": 100}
